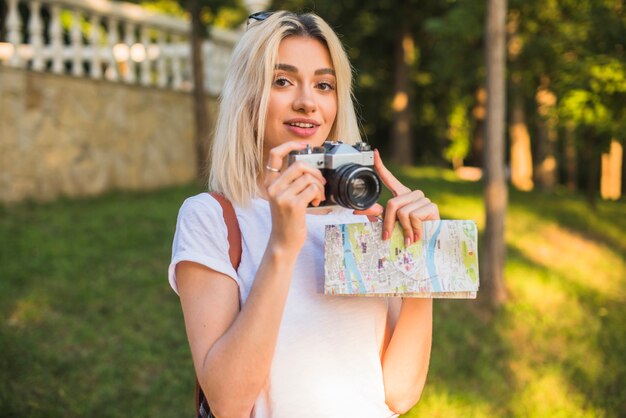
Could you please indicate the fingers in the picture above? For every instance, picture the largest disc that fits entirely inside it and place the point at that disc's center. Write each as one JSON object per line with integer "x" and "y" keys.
{"x": 308, "y": 187}
{"x": 276, "y": 158}
{"x": 388, "y": 179}
{"x": 299, "y": 172}
{"x": 375, "y": 210}
{"x": 393, "y": 206}
{"x": 410, "y": 210}
{"x": 411, "y": 217}
{"x": 297, "y": 186}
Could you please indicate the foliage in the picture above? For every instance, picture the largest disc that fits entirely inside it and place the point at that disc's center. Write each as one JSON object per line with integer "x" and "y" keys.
{"x": 459, "y": 133}
{"x": 571, "y": 46}
{"x": 221, "y": 13}
{"x": 90, "y": 326}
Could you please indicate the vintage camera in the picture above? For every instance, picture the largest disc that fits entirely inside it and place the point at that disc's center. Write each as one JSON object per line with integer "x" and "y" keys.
{"x": 351, "y": 181}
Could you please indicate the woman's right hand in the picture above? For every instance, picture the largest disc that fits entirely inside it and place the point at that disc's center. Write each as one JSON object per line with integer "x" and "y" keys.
{"x": 289, "y": 193}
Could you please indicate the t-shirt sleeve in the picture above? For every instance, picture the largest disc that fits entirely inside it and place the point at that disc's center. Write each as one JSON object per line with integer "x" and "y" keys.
{"x": 201, "y": 237}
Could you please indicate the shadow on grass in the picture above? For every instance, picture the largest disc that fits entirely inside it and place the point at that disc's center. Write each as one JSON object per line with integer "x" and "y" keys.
{"x": 581, "y": 336}
{"x": 90, "y": 326}
{"x": 573, "y": 212}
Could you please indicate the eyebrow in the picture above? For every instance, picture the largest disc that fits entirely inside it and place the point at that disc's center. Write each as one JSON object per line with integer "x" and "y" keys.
{"x": 293, "y": 69}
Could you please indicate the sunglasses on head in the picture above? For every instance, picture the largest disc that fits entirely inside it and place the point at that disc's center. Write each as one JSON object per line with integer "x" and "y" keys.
{"x": 258, "y": 17}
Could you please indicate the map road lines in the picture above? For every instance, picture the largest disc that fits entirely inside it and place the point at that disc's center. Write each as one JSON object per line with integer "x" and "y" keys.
{"x": 443, "y": 264}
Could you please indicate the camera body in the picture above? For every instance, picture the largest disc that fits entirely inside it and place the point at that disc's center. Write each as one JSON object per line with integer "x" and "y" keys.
{"x": 351, "y": 180}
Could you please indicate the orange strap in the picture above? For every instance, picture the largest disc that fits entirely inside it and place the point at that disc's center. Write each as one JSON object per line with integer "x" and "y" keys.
{"x": 234, "y": 253}
{"x": 234, "y": 233}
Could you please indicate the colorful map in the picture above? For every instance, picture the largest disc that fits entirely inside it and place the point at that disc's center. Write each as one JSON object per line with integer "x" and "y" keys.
{"x": 443, "y": 264}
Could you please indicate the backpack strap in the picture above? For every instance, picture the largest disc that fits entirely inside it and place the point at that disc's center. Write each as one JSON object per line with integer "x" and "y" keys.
{"x": 234, "y": 233}
{"x": 234, "y": 253}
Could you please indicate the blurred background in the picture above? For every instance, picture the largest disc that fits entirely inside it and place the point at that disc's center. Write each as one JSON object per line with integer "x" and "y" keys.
{"x": 106, "y": 112}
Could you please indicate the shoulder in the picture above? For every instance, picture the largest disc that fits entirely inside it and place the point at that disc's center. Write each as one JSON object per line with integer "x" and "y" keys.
{"x": 201, "y": 216}
{"x": 201, "y": 208}
{"x": 203, "y": 203}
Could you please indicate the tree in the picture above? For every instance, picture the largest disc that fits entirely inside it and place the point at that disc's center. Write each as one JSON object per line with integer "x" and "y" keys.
{"x": 386, "y": 41}
{"x": 495, "y": 189}
{"x": 597, "y": 110}
{"x": 404, "y": 57}
{"x": 202, "y": 14}
{"x": 521, "y": 154}
{"x": 199, "y": 103}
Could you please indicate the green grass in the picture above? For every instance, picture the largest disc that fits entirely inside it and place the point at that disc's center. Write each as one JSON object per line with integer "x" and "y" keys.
{"x": 90, "y": 327}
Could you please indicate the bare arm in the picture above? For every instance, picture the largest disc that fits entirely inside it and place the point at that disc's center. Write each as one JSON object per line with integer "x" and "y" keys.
{"x": 407, "y": 356}
{"x": 232, "y": 350}
{"x": 406, "y": 351}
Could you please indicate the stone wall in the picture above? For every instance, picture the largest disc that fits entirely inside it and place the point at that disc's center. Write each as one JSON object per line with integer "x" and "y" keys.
{"x": 69, "y": 136}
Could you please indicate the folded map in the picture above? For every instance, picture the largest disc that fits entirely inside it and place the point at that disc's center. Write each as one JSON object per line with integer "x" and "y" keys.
{"x": 442, "y": 264}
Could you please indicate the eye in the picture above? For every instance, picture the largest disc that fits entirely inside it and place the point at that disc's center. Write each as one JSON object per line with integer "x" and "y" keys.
{"x": 326, "y": 86}
{"x": 281, "y": 82}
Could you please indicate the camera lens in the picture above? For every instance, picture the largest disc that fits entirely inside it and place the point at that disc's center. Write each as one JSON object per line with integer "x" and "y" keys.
{"x": 355, "y": 186}
{"x": 359, "y": 188}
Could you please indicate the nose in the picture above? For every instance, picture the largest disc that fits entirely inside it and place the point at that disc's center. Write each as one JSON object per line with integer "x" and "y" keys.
{"x": 304, "y": 100}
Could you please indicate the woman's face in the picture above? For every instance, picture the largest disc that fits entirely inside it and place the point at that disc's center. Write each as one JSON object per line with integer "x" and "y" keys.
{"x": 303, "y": 97}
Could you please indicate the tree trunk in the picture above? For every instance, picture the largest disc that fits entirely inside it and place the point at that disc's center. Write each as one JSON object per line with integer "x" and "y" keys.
{"x": 521, "y": 155}
{"x": 478, "y": 140}
{"x": 199, "y": 100}
{"x": 404, "y": 56}
{"x": 592, "y": 163}
{"x": 570, "y": 157}
{"x": 623, "y": 191}
{"x": 495, "y": 192}
{"x": 611, "y": 180}
{"x": 546, "y": 138}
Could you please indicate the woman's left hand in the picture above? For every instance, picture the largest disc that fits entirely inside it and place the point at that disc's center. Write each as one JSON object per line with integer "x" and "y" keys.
{"x": 409, "y": 207}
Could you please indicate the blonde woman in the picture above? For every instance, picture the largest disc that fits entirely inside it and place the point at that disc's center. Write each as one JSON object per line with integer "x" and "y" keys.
{"x": 264, "y": 339}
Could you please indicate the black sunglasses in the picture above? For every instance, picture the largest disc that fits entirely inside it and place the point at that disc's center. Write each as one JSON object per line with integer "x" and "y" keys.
{"x": 259, "y": 17}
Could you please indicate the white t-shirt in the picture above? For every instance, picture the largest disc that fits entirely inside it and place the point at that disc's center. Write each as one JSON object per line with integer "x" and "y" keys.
{"x": 326, "y": 363}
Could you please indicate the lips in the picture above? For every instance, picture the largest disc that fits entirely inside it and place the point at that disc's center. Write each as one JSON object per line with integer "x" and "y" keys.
{"x": 302, "y": 127}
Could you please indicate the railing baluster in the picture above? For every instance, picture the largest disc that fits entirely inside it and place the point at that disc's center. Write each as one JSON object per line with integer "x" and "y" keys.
{"x": 56, "y": 39}
{"x": 187, "y": 72}
{"x": 207, "y": 50}
{"x": 94, "y": 39}
{"x": 35, "y": 29}
{"x": 14, "y": 27}
{"x": 112, "y": 38}
{"x": 177, "y": 79}
{"x": 129, "y": 40}
{"x": 154, "y": 49}
{"x": 76, "y": 38}
{"x": 161, "y": 63}
{"x": 145, "y": 64}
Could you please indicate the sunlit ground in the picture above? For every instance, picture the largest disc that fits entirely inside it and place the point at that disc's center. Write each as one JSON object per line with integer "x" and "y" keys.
{"x": 89, "y": 326}
{"x": 557, "y": 348}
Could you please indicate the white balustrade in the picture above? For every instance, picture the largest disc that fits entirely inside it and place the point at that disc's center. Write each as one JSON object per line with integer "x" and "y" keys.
{"x": 154, "y": 50}
{"x": 14, "y": 27}
{"x": 94, "y": 39}
{"x": 145, "y": 62}
{"x": 129, "y": 40}
{"x": 112, "y": 72}
{"x": 56, "y": 39}
{"x": 76, "y": 40}
{"x": 35, "y": 28}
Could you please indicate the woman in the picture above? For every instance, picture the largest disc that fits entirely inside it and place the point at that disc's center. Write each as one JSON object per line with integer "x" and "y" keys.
{"x": 264, "y": 340}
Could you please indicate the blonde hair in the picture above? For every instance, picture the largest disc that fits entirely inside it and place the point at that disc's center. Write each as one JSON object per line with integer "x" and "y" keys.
{"x": 236, "y": 156}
